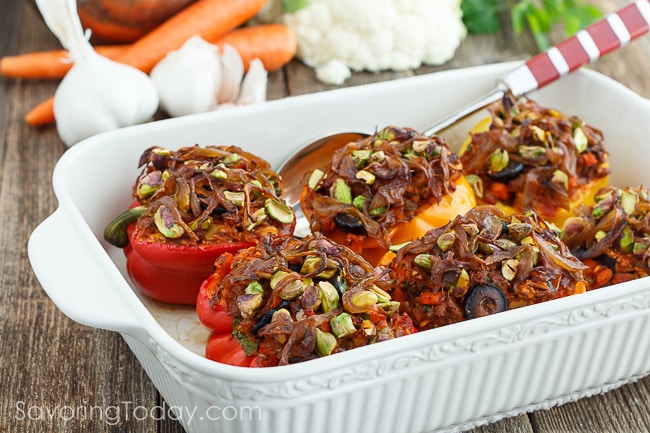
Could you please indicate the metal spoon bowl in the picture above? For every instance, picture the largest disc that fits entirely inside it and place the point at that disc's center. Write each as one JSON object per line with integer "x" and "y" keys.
{"x": 588, "y": 45}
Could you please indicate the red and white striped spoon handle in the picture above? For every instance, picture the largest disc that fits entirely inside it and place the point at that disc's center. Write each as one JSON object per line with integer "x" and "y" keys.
{"x": 588, "y": 45}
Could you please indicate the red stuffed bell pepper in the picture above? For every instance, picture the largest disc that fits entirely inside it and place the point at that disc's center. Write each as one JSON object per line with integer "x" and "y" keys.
{"x": 222, "y": 345}
{"x": 387, "y": 189}
{"x": 192, "y": 205}
{"x": 291, "y": 300}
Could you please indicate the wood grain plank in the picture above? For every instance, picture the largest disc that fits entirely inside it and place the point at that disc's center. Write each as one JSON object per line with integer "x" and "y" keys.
{"x": 516, "y": 424}
{"x": 302, "y": 79}
{"x": 622, "y": 410}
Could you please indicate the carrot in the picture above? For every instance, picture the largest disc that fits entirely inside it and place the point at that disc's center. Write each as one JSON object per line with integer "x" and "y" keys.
{"x": 42, "y": 114}
{"x": 210, "y": 19}
{"x": 603, "y": 275}
{"x": 48, "y": 64}
{"x": 398, "y": 295}
{"x": 588, "y": 159}
{"x": 429, "y": 298}
{"x": 274, "y": 44}
{"x": 500, "y": 191}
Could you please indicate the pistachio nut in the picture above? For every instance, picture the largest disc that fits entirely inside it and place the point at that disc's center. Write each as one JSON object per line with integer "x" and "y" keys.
{"x": 342, "y": 325}
{"x": 328, "y": 296}
{"x": 325, "y": 343}
{"x": 165, "y": 221}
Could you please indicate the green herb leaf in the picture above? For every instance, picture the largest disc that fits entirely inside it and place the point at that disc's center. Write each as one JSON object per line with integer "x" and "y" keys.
{"x": 518, "y": 17}
{"x": 249, "y": 346}
{"x": 583, "y": 16}
{"x": 291, "y": 6}
{"x": 481, "y": 16}
{"x": 540, "y": 17}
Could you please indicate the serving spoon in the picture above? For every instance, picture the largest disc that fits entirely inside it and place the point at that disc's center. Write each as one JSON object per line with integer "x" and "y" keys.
{"x": 588, "y": 45}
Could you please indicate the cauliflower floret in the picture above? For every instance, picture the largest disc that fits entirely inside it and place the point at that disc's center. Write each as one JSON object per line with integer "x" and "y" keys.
{"x": 373, "y": 35}
{"x": 334, "y": 72}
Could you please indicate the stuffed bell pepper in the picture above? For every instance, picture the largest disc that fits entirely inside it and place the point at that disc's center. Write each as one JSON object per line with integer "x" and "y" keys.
{"x": 612, "y": 236}
{"x": 482, "y": 263}
{"x": 290, "y": 300}
{"x": 386, "y": 189}
{"x": 528, "y": 157}
{"x": 190, "y": 206}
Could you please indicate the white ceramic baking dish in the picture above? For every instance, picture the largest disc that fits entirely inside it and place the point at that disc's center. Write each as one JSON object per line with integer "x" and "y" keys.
{"x": 449, "y": 379}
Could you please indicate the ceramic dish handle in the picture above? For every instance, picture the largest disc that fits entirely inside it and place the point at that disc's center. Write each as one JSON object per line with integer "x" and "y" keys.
{"x": 76, "y": 279}
{"x": 588, "y": 45}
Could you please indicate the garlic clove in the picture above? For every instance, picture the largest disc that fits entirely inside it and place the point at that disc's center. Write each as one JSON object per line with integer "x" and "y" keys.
{"x": 189, "y": 78}
{"x": 233, "y": 72}
{"x": 253, "y": 87}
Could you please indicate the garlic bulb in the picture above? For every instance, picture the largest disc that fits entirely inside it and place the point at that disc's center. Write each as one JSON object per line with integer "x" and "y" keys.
{"x": 97, "y": 94}
{"x": 196, "y": 78}
{"x": 189, "y": 78}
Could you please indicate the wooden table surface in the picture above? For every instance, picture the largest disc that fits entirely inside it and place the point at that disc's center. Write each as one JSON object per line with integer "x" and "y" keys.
{"x": 50, "y": 365}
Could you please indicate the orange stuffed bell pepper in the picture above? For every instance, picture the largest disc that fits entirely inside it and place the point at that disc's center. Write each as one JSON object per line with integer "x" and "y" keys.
{"x": 612, "y": 236}
{"x": 192, "y": 205}
{"x": 389, "y": 188}
{"x": 481, "y": 263}
{"x": 528, "y": 157}
{"x": 291, "y": 300}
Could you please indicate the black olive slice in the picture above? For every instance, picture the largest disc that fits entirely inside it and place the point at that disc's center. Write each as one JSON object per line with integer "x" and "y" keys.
{"x": 512, "y": 170}
{"x": 338, "y": 281}
{"x": 219, "y": 210}
{"x": 295, "y": 267}
{"x": 483, "y": 300}
{"x": 266, "y": 317}
{"x": 349, "y": 223}
{"x": 579, "y": 252}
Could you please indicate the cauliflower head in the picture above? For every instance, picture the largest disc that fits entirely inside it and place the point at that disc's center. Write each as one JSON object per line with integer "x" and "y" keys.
{"x": 374, "y": 35}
